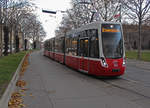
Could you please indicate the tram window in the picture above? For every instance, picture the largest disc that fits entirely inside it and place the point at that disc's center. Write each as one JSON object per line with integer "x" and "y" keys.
{"x": 53, "y": 45}
{"x": 50, "y": 45}
{"x": 70, "y": 47}
{"x": 63, "y": 44}
{"x": 94, "y": 44}
{"x": 67, "y": 45}
{"x": 78, "y": 45}
{"x": 56, "y": 45}
{"x": 83, "y": 47}
{"x": 60, "y": 45}
{"x": 74, "y": 46}
{"x": 86, "y": 47}
{"x": 45, "y": 45}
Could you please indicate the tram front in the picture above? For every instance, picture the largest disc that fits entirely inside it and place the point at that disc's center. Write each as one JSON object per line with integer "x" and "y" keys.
{"x": 113, "y": 60}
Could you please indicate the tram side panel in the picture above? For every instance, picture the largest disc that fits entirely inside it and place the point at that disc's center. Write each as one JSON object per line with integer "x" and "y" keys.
{"x": 72, "y": 62}
{"x": 84, "y": 64}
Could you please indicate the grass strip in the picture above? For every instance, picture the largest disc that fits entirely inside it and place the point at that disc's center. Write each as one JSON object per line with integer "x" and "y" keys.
{"x": 145, "y": 55}
{"x": 8, "y": 66}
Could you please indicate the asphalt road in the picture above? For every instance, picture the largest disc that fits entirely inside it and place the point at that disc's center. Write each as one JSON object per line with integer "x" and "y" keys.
{"x": 53, "y": 85}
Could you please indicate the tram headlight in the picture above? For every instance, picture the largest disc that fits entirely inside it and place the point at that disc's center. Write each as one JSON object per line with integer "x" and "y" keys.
{"x": 104, "y": 63}
{"x": 124, "y": 62}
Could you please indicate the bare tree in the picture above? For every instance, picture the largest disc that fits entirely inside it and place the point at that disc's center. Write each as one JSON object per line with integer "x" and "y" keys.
{"x": 17, "y": 13}
{"x": 138, "y": 12}
{"x": 86, "y": 11}
{"x": 33, "y": 29}
{"x": 1, "y": 19}
{"x": 19, "y": 17}
{"x": 103, "y": 10}
{"x": 5, "y": 26}
{"x": 107, "y": 9}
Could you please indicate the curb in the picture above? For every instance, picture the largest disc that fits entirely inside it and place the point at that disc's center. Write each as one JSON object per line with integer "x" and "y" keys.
{"x": 11, "y": 86}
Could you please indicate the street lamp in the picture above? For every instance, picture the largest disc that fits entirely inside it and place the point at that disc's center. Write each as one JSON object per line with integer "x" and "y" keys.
{"x": 47, "y": 11}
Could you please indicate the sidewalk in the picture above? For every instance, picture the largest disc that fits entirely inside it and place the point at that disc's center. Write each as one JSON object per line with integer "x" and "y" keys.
{"x": 53, "y": 85}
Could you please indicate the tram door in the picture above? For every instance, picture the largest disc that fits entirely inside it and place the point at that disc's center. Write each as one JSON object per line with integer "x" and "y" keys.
{"x": 83, "y": 53}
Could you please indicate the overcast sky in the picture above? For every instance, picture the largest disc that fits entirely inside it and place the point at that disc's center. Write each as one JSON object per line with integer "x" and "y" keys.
{"x": 50, "y": 23}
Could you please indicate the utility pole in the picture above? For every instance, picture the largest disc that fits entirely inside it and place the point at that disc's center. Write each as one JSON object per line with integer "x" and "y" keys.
{"x": 120, "y": 11}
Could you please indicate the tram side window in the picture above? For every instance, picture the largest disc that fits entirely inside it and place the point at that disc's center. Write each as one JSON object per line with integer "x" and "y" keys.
{"x": 56, "y": 45}
{"x": 59, "y": 45}
{"x": 84, "y": 45}
{"x": 45, "y": 45}
{"x": 53, "y": 45}
{"x": 74, "y": 46}
{"x": 81, "y": 47}
{"x": 94, "y": 43}
{"x": 68, "y": 46}
{"x": 50, "y": 45}
{"x": 62, "y": 45}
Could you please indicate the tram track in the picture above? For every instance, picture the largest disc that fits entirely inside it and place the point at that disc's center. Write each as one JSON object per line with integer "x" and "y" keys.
{"x": 127, "y": 89}
{"x": 114, "y": 82}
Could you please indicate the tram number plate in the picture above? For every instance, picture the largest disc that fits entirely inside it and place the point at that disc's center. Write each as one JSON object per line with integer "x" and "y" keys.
{"x": 115, "y": 70}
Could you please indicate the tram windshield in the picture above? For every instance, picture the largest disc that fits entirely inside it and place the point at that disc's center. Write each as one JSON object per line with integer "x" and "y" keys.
{"x": 112, "y": 41}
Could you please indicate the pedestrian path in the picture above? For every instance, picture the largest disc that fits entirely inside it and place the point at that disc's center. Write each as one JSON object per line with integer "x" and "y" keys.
{"x": 53, "y": 85}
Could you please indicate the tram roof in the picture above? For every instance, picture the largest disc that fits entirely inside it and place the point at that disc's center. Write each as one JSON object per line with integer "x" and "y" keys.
{"x": 93, "y": 25}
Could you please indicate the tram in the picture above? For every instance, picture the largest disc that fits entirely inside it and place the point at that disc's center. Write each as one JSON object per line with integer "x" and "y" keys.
{"x": 96, "y": 49}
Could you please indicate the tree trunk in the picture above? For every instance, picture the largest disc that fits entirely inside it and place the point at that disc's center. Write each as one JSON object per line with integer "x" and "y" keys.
{"x": 17, "y": 40}
{"x": 139, "y": 46}
{"x": 11, "y": 40}
{"x": 34, "y": 45}
{"x": 6, "y": 40}
{"x": 25, "y": 43}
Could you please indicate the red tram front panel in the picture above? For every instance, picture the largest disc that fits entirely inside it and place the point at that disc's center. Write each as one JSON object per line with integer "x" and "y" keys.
{"x": 94, "y": 67}
{"x": 115, "y": 67}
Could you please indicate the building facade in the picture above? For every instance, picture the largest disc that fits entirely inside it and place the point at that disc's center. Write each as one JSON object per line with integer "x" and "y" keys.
{"x": 131, "y": 37}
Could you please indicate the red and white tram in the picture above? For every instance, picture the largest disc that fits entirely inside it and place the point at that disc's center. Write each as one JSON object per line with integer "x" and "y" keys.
{"x": 96, "y": 49}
